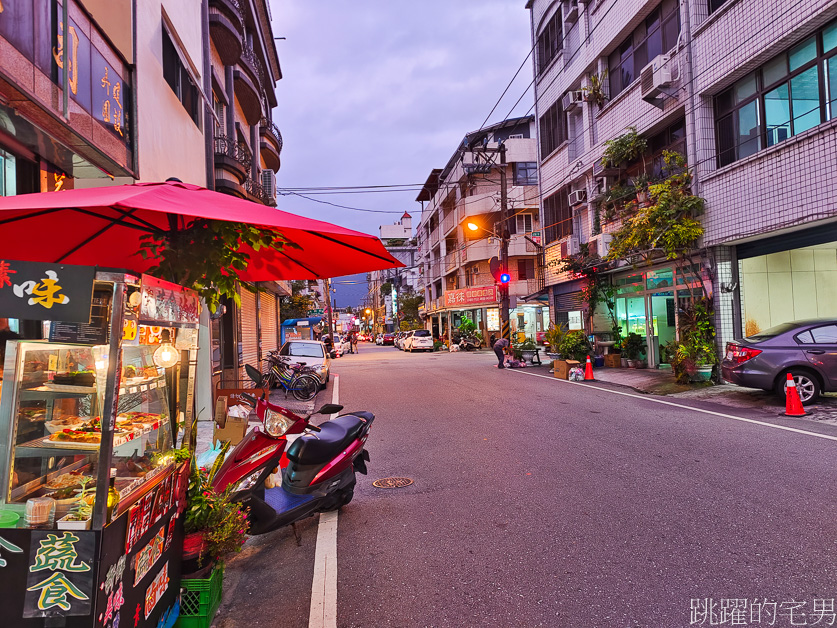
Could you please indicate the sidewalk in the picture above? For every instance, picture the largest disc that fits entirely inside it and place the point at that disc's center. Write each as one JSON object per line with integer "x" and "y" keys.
{"x": 661, "y": 382}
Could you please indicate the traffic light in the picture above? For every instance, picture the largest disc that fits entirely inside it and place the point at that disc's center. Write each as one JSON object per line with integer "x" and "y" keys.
{"x": 505, "y": 278}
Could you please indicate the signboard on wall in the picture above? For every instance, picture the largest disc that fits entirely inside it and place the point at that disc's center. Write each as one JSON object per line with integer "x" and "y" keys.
{"x": 169, "y": 303}
{"x": 46, "y": 292}
{"x": 481, "y": 295}
{"x": 575, "y": 321}
{"x": 492, "y": 319}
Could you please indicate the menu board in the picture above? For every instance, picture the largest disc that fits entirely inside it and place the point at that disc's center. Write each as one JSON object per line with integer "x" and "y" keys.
{"x": 93, "y": 333}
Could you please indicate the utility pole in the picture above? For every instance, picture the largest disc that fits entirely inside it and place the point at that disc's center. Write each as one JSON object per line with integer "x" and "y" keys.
{"x": 328, "y": 310}
{"x": 505, "y": 235}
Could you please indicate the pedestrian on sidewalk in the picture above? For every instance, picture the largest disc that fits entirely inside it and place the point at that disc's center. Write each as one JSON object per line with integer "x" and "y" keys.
{"x": 500, "y": 347}
{"x": 354, "y": 342}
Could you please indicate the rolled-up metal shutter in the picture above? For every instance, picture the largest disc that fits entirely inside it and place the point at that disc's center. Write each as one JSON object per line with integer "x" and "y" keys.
{"x": 249, "y": 331}
{"x": 270, "y": 322}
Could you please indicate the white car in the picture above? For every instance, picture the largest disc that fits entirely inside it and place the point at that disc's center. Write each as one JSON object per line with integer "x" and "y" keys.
{"x": 419, "y": 340}
{"x": 312, "y": 353}
{"x": 379, "y": 339}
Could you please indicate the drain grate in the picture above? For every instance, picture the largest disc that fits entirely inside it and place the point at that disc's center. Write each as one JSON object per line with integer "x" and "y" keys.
{"x": 392, "y": 482}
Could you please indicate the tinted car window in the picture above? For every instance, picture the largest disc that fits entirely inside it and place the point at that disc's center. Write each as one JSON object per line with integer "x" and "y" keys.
{"x": 302, "y": 349}
{"x": 825, "y": 335}
{"x": 805, "y": 338}
{"x": 772, "y": 332}
{"x": 422, "y": 333}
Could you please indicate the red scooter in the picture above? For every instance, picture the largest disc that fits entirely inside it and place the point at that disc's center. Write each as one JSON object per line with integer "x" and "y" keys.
{"x": 317, "y": 469}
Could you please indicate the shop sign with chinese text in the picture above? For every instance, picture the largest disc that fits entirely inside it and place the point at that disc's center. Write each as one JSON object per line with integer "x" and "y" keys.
{"x": 168, "y": 303}
{"x": 481, "y": 295}
{"x": 41, "y": 292}
{"x": 60, "y": 578}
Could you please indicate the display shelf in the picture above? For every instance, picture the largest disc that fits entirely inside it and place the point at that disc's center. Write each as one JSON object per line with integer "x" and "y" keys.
{"x": 34, "y": 394}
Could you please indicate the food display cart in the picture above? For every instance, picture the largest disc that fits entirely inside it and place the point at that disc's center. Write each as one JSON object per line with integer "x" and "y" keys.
{"x": 91, "y": 493}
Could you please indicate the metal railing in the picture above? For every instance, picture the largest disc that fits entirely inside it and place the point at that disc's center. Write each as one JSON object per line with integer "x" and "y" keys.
{"x": 256, "y": 190}
{"x": 237, "y": 150}
{"x": 255, "y": 63}
{"x": 235, "y": 4}
{"x": 451, "y": 260}
{"x": 271, "y": 128}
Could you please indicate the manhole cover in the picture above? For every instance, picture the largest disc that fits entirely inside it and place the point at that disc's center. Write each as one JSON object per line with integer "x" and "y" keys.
{"x": 392, "y": 482}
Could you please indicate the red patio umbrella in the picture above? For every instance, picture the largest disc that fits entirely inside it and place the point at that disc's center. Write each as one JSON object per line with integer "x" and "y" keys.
{"x": 103, "y": 226}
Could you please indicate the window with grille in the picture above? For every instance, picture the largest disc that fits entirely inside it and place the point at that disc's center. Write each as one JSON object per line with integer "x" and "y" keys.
{"x": 524, "y": 223}
{"x": 558, "y": 215}
{"x": 549, "y": 41}
{"x": 553, "y": 129}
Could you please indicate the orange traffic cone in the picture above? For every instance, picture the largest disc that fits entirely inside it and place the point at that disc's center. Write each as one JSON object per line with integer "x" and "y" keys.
{"x": 793, "y": 404}
{"x": 588, "y": 370}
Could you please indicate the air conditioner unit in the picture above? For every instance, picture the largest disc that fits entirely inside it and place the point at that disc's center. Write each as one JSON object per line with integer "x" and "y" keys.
{"x": 655, "y": 77}
{"x": 269, "y": 184}
{"x": 603, "y": 183}
{"x": 573, "y": 245}
{"x": 571, "y": 11}
{"x": 601, "y": 243}
{"x": 577, "y": 197}
{"x": 571, "y": 99}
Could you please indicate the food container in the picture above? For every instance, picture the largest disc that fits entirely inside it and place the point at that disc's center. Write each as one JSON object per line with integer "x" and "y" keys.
{"x": 8, "y": 519}
{"x": 40, "y": 512}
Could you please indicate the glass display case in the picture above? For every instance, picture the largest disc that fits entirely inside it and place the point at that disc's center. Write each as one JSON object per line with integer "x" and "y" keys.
{"x": 55, "y": 394}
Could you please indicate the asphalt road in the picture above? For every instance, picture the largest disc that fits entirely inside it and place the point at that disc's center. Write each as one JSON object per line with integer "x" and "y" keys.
{"x": 543, "y": 503}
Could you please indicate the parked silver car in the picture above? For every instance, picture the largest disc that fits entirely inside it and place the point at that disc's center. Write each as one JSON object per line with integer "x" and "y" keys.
{"x": 313, "y": 353}
{"x": 805, "y": 349}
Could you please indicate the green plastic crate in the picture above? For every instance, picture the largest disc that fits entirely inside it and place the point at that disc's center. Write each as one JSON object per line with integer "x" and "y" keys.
{"x": 199, "y": 599}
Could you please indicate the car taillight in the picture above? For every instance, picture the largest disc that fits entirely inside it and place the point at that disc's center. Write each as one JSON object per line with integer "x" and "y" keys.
{"x": 739, "y": 354}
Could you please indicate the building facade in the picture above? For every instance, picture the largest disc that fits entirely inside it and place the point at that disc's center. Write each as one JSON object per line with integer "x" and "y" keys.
{"x": 399, "y": 240}
{"x": 749, "y": 108}
{"x": 461, "y": 228}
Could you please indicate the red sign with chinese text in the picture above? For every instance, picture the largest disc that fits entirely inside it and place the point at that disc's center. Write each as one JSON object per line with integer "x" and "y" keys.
{"x": 481, "y": 295}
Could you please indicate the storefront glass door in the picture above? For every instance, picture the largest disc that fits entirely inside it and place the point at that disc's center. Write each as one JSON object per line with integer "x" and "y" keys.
{"x": 663, "y": 321}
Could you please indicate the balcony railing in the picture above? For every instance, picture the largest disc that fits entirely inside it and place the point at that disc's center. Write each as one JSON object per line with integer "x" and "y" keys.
{"x": 237, "y": 7}
{"x": 256, "y": 190}
{"x": 448, "y": 222}
{"x": 248, "y": 54}
{"x": 271, "y": 128}
{"x": 450, "y": 261}
{"x": 435, "y": 271}
{"x": 434, "y": 236}
{"x": 236, "y": 150}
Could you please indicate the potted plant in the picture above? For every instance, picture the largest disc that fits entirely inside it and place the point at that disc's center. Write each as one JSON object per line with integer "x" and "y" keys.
{"x": 215, "y": 525}
{"x": 641, "y": 182}
{"x": 81, "y": 513}
{"x": 576, "y": 346}
{"x": 528, "y": 349}
{"x": 624, "y": 149}
{"x": 633, "y": 348}
{"x": 553, "y": 338}
{"x": 594, "y": 91}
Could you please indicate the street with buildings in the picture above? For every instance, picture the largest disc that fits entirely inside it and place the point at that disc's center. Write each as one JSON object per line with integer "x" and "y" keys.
{"x": 649, "y": 232}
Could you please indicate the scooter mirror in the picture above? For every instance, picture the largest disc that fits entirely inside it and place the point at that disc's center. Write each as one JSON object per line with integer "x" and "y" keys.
{"x": 329, "y": 408}
{"x": 253, "y": 373}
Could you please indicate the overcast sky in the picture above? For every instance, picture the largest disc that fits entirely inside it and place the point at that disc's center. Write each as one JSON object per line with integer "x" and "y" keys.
{"x": 379, "y": 92}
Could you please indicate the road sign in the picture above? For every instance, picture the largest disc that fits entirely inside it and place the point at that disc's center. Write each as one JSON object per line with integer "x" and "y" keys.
{"x": 315, "y": 312}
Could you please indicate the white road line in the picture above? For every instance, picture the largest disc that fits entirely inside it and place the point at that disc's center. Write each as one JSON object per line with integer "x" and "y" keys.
{"x": 678, "y": 405}
{"x": 323, "y": 613}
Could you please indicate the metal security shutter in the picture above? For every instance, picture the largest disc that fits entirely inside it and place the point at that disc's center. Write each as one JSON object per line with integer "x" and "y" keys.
{"x": 270, "y": 322}
{"x": 569, "y": 302}
{"x": 249, "y": 331}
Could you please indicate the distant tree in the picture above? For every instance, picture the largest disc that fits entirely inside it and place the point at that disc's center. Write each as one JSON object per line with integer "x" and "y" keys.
{"x": 297, "y": 305}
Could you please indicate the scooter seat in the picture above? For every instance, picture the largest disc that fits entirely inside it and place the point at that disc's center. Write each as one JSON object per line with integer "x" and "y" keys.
{"x": 324, "y": 445}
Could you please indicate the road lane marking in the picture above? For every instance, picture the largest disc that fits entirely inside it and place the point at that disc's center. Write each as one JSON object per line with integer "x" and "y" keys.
{"x": 323, "y": 613}
{"x": 678, "y": 405}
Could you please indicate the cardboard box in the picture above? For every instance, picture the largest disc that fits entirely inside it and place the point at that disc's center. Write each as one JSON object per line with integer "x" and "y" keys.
{"x": 561, "y": 368}
{"x": 613, "y": 360}
{"x": 228, "y": 428}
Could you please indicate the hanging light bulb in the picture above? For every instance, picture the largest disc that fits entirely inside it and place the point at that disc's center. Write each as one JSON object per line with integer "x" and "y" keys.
{"x": 166, "y": 355}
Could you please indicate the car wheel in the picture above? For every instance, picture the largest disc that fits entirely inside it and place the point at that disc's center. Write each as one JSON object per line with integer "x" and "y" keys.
{"x": 807, "y": 385}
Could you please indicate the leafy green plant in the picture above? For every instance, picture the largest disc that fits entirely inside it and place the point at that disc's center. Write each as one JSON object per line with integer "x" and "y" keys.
{"x": 467, "y": 326}
{"x": 554, "y": 337}
{"x": 633, "y": 347}
{"x": 82, "y": 510}
{"x": 220, "y": 520}
{"x": 623, "y": 149}
{"x": 527, "y": 345}
{"x": 576, "y": 346}
{"x": 594, "y": 91}
{"x": 208, "y": 255}
{"x": 667, "y": 225}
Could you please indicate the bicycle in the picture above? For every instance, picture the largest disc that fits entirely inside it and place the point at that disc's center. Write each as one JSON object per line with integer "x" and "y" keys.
{"x": 300, "y": 380}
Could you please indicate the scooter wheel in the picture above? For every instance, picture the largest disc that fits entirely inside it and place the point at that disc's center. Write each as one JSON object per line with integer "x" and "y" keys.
{"x": 342, "y": 498}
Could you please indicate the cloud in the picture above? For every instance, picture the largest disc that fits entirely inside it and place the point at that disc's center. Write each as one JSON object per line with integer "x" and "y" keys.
{"x": 380, "y": 92}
